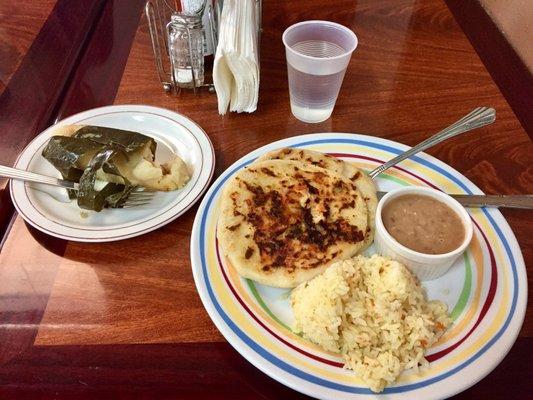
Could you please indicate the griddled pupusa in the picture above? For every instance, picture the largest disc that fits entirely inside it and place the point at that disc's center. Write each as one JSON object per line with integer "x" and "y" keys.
{"x": 348, "y": 170}
{"x": 283, "y": 222}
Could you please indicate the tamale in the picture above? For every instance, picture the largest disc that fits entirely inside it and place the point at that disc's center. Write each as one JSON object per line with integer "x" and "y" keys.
{"x": 111, "y": 195}
{"x": 127, "y": 140}
{"x": 136, "y": 164}
{"x": 135, "y": 147}
{"x": 130, "y": 161}
{"x": 70, "y": 155}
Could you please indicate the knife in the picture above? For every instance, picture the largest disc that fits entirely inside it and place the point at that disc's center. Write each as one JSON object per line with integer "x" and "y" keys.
{"x": 524, "y": 201}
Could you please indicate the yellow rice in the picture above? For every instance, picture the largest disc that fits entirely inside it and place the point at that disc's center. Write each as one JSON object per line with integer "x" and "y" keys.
{"x": 374, "y": 312}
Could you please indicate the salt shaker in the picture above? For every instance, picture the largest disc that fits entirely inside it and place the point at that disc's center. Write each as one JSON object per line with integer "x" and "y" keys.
{"x": 186, "y": 47}
{"x": 204, "y": 7}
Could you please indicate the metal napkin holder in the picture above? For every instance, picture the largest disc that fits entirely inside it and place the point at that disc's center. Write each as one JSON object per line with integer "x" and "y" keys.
{"x": 159, "y": 14}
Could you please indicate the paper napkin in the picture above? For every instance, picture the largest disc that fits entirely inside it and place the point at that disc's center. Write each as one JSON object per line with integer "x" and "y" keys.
{"x": 236, "y": 67}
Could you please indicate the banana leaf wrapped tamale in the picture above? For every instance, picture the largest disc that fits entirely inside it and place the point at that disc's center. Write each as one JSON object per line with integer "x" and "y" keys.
{"x": 111, "y": 195}
{"x": 70, "y": 156}
{"x": 130, "y": 141}
{"x": 123, "y": 159}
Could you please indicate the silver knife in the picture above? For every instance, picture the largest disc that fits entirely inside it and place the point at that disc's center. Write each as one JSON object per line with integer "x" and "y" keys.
{"x": 524, "y": 201}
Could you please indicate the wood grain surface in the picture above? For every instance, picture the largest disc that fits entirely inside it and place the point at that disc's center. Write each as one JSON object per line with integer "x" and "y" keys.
{"x": 507, "y": 68}
{"x": 19, "y": 25}
{"x": 122, "y": 319}
{"x": 28, "y": 101}
{"x": 43, "y": 69}
{"x": 96, "y": 81}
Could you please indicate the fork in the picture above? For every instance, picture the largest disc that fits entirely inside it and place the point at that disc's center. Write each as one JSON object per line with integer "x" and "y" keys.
{"x": 480, "y": 116}
{"x": 138, "y": 196}
{"x": 477, "y": 118}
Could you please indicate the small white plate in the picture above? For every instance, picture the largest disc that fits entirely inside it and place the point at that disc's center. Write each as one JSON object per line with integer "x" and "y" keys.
{"x": 48, "y": 209}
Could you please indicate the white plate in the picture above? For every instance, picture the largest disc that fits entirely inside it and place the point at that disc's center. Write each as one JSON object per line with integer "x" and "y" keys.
{"x": 486, "y": 290}
{"x": 174, "y": 134}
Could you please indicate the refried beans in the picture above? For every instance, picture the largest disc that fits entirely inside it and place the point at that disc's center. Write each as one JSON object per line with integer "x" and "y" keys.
{"x": 423, "y": 224}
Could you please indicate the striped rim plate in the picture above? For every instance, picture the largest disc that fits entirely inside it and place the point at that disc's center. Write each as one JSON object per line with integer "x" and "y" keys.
{"x": 48, "y": 208}
{"x": 486, "y": 291}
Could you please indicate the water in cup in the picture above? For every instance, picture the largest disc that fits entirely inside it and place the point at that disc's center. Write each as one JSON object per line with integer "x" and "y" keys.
{"x": 317, "y": 53}
{"x": 313, "y": 96}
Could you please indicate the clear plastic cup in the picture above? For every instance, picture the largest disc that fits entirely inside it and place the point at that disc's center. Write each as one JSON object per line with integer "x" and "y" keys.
{"x": 318, "y": 53}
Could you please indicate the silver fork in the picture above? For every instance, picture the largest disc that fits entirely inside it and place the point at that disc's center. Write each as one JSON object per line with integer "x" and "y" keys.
{"x": 477, "y": 118}
{"x": 138, "y": 196}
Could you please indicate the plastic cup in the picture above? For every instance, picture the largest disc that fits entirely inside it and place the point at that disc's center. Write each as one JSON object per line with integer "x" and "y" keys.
{"x": 318, "y": 53}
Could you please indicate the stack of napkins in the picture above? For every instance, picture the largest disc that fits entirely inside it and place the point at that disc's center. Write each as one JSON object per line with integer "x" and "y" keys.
{"x": 236, "y": 68}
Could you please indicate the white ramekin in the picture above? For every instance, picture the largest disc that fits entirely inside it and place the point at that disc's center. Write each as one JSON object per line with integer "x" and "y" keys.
{"x": 424, "y": 266}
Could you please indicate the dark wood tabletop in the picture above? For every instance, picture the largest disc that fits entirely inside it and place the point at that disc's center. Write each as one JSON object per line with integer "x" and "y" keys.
{"x": 123, "y": 319}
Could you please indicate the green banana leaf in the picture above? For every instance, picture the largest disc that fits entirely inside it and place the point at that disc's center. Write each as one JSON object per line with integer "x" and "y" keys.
{"x": 127, "y": 140}
{"x": 111, "y": 195}
{"x": 79, "y": 158}
{"x": 70, "y": 155}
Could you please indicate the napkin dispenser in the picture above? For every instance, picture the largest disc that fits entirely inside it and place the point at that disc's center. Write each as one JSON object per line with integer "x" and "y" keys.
{"x": 182, "y": 39}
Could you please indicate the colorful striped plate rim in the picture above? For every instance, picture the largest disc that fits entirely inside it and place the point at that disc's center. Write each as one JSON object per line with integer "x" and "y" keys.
{"x": 486, "y": 291}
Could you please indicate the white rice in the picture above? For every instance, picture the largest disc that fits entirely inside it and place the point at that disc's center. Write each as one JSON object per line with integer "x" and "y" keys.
{"x": 374, "y": 312}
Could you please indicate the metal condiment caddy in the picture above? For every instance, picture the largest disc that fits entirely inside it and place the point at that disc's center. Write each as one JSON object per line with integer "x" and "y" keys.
{"x": 181, "y": 40}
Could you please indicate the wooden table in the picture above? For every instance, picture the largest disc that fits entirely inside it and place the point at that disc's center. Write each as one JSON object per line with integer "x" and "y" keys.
{"x": 123, "y": 319}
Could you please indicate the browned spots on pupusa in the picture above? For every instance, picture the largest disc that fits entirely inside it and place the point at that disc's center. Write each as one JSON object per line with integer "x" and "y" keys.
{"x": 259, "y": 197}
{"x": 249, "y": 253}
{"x": 311, "y": 188}
{"x": 319, "y": 177}
{"x": 233, "y": 196}
{"x": 233, "y": 227}
{"x": 268, "y": 171}
{"x": 339, "y": 186}
{"x": 350, "y": 204}
{"x": 356, "y": 176}
{"x": 282, "y": 229}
